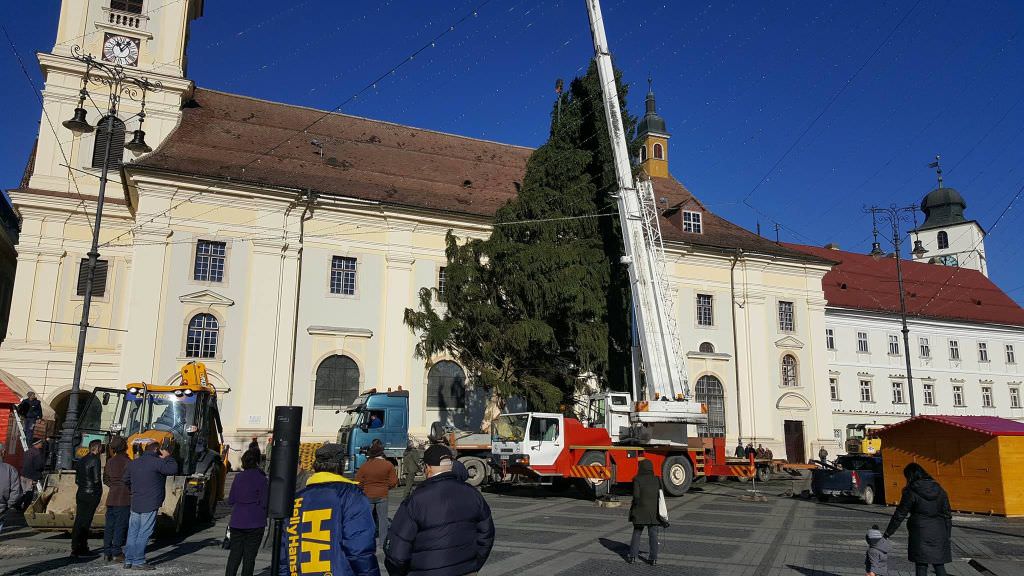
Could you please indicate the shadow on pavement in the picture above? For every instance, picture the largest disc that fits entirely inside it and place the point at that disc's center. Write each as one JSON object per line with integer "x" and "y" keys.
{"x": 810, "y": 571}
{"x": 620, "y": 548}
{"x": 48, "y": 565}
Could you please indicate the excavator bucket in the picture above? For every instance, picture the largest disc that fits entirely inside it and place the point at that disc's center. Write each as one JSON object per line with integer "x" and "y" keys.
{"x": 54, "y": 507}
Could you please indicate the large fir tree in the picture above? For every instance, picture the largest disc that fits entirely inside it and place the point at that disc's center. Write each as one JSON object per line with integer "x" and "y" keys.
{"x": 543, "y": 302}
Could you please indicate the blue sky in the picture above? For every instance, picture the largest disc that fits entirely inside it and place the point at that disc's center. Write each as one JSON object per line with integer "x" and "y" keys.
{"x": 794, "y": 112}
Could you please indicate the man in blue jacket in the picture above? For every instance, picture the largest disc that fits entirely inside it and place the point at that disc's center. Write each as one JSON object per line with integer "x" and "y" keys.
{"x": 444, "y": 528}
{"x": 331, "y": 530}
{"x": 146, "y": 479}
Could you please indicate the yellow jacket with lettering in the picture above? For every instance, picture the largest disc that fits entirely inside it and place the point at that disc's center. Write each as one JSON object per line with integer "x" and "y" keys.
{"x": 331, "y": 530}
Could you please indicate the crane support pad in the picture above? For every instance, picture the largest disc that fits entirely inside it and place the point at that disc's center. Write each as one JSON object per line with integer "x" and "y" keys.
{"x": 594, "y": 471}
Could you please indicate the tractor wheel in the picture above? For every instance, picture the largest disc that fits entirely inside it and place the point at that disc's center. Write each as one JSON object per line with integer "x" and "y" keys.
{"x": 592, "y": 487}
{"x": 676, "y": 475}
{"x": 868, "y": 496}
{"x": 477, "y": 469}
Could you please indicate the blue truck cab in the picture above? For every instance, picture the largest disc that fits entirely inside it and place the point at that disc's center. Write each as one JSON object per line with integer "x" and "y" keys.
{"x": 373, "y": 416}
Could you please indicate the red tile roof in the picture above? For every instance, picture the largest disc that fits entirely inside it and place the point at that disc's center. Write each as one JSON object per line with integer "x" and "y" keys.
{"x": 988, "y": 425}
{"x": 384, "y": 162}
{"x": 860, "y": 282}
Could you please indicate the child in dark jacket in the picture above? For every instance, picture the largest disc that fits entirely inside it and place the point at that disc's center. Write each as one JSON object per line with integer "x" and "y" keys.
{"x": 876, "y": 561}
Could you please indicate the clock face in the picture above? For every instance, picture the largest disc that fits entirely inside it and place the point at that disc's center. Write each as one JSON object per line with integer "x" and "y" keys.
{"x": 121, "y": 50}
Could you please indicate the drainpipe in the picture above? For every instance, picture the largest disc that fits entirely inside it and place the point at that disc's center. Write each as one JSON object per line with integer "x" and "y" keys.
{"x": 307, "y": 214}
{"x": 735, "y": 339}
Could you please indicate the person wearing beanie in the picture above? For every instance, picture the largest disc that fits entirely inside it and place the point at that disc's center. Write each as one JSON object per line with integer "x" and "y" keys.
{"x": 331, "y": 528}
{"x": 876, "y": 560}
{"x": 377, "y": 477}
{"x": 444, "y": 528}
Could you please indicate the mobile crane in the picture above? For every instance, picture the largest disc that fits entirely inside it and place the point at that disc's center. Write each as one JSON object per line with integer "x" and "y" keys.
{"x": 652, "y": 423}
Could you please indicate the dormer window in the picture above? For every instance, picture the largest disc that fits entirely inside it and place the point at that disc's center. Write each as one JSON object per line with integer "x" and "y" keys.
{"x": 691, "y": 221}
{"x": 133, "y": 6}
{"x": 659, "y": 152}
{"x": 943, "y": 240}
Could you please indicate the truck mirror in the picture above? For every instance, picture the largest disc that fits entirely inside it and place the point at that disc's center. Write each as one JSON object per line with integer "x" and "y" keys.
{"x": 365, "y": 426}
{"x": 106, "y": 398}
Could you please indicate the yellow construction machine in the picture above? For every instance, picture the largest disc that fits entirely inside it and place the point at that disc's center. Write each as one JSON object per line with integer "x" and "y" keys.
{"x": 182, "y": 416}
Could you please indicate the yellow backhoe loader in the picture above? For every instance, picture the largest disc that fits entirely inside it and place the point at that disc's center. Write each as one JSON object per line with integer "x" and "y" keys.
{"x": 182, "y": 415}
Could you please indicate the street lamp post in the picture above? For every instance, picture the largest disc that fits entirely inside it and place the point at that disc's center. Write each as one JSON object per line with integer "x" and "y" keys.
{"x": 118, "y": 84}
{"x": 892, "y": 215}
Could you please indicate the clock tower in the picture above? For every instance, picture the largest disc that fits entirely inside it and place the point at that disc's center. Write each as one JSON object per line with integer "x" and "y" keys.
{"x": 950, "y": 238}
{"x": 146, "y": 37}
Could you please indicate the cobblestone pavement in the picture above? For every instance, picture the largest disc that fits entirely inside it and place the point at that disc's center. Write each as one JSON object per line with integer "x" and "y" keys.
{"x": 541, "y": 533}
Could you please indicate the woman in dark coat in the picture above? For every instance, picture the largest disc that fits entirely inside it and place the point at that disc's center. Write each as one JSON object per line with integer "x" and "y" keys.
{"x": 930, "y": 524}
{"x": 643, "y": 512}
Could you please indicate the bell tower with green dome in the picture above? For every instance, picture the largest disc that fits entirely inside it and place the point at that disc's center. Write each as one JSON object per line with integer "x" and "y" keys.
{"x": 948, "y": 236}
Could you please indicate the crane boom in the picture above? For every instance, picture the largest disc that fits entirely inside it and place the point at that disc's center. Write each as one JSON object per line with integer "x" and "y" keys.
{"x": 663, "y": 370}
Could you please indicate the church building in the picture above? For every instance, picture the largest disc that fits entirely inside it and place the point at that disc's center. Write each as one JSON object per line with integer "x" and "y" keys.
{"x": 284, "y": 259}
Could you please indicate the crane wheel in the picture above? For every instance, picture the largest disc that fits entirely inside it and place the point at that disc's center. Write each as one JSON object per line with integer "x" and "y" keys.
{"x": 676, "y": 475}
{"x": 591, "y": 487}
{"x": 477, "y": 469}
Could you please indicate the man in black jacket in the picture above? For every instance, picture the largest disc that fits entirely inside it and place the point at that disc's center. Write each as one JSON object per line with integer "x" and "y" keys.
{"x": 31, "y": 411}
{"x": 32, "y": 466}
{"x": 444, "y": 528}
{"x": 89, "y": 477}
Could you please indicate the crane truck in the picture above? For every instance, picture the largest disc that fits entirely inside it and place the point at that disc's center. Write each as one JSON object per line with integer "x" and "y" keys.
{"x": 621, "y": 428}
{"x": 182, "y": 415}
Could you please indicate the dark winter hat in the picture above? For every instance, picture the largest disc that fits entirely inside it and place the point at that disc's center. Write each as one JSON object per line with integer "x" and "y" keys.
{"x": 329, "y": 452}
{"x": 437, "y": 455}
{"x": 874, "y": 533}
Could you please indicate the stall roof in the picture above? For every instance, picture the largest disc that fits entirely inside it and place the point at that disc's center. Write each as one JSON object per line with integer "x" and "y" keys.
{"x": 988, "y": 425}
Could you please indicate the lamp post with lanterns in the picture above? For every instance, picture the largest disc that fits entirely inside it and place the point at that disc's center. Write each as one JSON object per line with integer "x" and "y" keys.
{"x": 118, "y": 84}
{"x": 891, "y": 215}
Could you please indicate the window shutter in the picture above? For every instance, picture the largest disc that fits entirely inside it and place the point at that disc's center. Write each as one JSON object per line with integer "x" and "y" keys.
{"x": 99, "y": 280}
{"x": 116, "y": 144}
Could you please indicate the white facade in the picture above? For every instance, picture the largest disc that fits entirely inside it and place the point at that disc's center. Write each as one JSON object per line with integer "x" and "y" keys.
{"x": 959, "y": 245}
{"x": 982, "y": 375}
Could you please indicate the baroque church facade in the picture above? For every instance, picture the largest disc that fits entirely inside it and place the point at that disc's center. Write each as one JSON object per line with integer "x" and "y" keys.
{"x": 286, "y": 266}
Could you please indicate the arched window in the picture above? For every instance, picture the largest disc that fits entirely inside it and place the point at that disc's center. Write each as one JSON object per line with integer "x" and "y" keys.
{"x": 943, "y": 240}
{"x": 116, "y": 137}
{"x": 203, "y": 331}
{"x": 337, "y": 382}
{"x": 706, "y": 348}
{"x": 643, "y": 152}
{"x": 709, "y": 391}
{"x": 658, "y": 152}
{"x": 789, "y": 371}
{"x": 446, "y": 386}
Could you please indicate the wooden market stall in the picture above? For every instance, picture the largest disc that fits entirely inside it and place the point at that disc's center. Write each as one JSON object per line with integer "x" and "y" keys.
{"x": 979, "y": 460}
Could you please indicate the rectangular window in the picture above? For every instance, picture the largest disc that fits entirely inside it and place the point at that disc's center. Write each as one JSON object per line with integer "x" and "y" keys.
{"x": 1011, "y": 358}
{"x": 99, "y": 278}
{"x": 343, "y": 275}
{"x": 833, "y": 385}
{"x": 692, "y": 222}
{"x": 786, "y": 321}
{"x": 133, "y": 6}
{"x": 954, "y": 350}
{"x": 862, "y": 342}
{"x": 705, "y": 310}
{"x": 1014, "y": 397}
{"x": 209, "y": 261}
{"x": 926, "y": 349}
{"x": 897, "y": 392}
{"x": 929, "y": 394}
{"x": 982, "y": 352}
{"x": 958, "y": 395}
{"x": 830, "y": 339}
{"x": 894, "y": 345}
{"x": 986, "y": 396}
{"x": 865, "y": 391}
{"x": 440, "y": 283}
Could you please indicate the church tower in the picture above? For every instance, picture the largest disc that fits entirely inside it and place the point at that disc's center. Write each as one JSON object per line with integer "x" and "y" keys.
{"x": 949, "y": 238}
{"x": 148, "y": 38}
{"x": 653, "y": 139}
